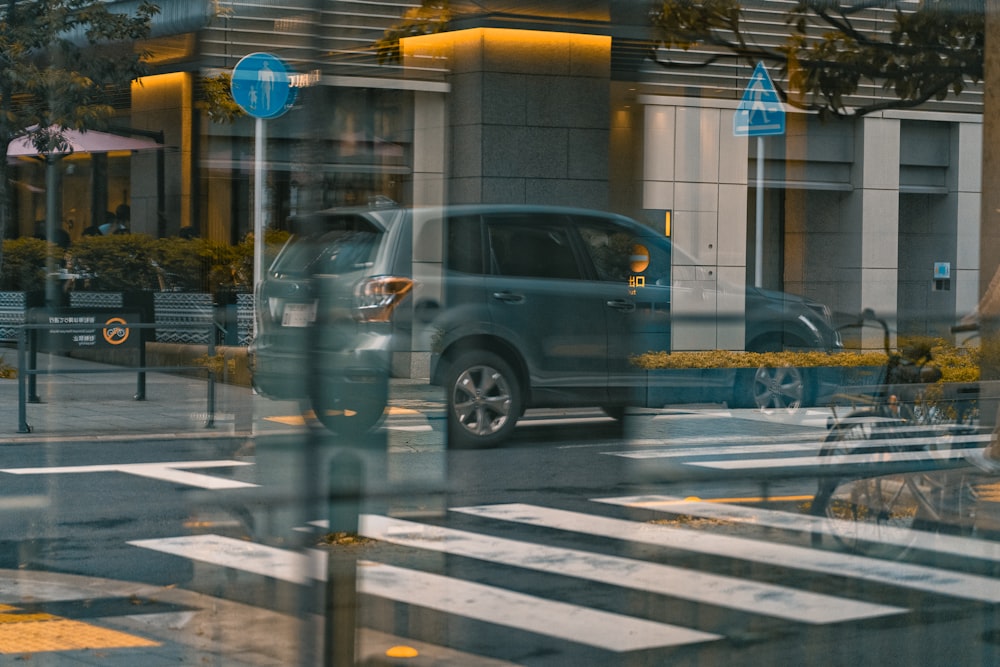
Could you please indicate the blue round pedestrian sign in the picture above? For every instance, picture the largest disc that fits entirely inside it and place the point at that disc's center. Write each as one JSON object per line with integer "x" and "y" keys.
{"x": 261, "y": 85}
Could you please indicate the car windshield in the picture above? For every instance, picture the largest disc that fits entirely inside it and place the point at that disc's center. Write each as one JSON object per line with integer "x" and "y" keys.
{"x": 331, "y": 252}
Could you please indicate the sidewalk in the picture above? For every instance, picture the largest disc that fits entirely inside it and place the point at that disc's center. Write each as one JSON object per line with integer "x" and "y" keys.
{"x": 95, "y": 401}
{"x": 59, "y": 619}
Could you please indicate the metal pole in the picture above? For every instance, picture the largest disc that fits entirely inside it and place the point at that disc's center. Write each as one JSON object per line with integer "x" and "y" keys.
{"x": 52, "y": 224}
{"x": 210, "y": 401}
{"x": 32, "y": 366}
{"x": 22, "y": 390}
{"x": 758, "y": 259}
{"x": 258, "y": 211}
{"x": 140, "y": 378}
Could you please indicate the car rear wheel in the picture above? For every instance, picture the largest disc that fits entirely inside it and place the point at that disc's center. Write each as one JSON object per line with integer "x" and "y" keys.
{"x": 352, "y": 416}
{"x": 484, "y": 400}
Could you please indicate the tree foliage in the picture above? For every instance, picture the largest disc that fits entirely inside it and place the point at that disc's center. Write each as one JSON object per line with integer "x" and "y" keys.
{"x": 929, "y": 50}
{"x": 217, "y": 99}
{"x": 60, "y": 60}
{"x": 430, "y": 17}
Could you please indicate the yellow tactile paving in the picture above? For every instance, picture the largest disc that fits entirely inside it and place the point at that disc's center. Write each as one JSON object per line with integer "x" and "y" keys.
{"x": 36, "y": 633}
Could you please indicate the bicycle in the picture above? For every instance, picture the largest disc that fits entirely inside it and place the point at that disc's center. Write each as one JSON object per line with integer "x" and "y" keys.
{"x": 906, "y": 416}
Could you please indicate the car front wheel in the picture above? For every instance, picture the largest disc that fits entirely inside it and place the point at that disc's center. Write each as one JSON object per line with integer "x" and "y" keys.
{"x": 484, "y": 400}
{"x": 779, "y": 387}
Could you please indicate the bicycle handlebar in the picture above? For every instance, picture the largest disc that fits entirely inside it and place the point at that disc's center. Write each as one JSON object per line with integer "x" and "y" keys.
{"x": 868, "y": 315}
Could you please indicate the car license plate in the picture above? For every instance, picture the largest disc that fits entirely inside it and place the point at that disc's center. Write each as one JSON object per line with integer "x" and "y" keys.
{"x": 298, "y": 314}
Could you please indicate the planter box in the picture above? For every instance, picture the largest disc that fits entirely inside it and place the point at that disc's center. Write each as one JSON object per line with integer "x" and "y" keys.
{"x": 734, "y": 386}
{"x": 184, "y": 315}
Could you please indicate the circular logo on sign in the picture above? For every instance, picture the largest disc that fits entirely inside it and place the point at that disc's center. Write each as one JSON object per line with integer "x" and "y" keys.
{"x": 115, "y": 331}
{"x": 639, "y": 260}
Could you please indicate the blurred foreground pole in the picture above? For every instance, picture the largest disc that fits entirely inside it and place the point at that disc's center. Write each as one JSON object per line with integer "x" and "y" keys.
{"x": 346, "y": 473}
{"x": 989, "y": 229}
{"x": 53, "y": 222}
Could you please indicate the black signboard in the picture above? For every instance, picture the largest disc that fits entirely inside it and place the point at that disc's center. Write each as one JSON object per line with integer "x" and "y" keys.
{"x": 86, "y": 329}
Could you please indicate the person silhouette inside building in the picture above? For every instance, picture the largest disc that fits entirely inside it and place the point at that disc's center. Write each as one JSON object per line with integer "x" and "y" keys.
{"x": 123, "y": 214}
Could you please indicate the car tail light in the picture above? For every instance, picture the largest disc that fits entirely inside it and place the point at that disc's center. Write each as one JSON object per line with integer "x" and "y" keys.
{"x": 376, "y": 298}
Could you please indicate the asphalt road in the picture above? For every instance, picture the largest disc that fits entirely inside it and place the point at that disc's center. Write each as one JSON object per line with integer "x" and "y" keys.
{"x": 576, "y": 543}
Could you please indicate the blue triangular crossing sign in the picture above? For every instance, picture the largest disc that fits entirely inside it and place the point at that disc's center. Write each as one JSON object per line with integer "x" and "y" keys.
{"x": 760, "y": 112}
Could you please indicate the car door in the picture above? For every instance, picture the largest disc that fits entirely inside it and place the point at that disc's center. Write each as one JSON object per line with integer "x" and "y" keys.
{"x": 540, "y": 299}
{"x": 633, "y": 281}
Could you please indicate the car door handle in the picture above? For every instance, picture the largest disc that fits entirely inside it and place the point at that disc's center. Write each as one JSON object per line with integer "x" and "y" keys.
{"x": 621, "y": 304}
{"x": 508, "y": 297}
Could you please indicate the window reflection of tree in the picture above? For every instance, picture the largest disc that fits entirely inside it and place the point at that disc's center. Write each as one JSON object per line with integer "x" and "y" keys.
{"x": 610, "y": 250}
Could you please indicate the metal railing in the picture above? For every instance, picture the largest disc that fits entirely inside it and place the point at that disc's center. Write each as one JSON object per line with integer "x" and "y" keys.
{"x": 28, "y": 371}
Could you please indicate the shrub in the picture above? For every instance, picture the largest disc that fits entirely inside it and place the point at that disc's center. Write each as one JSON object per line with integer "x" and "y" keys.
{"x": 957, "y": 364}
{"x": 124, "y": 262}
{"x": 24, "y": 264}
{"x": 117, "y": 263}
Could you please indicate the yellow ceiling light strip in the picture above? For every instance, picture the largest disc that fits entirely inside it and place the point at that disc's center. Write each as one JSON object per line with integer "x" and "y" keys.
{"x": 443, "y": 44}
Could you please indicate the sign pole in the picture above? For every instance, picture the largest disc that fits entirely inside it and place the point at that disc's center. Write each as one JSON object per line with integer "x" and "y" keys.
{"x": 262, "y": 87}
{"x": 758, "y": 259}
{"x": 260, "y": 139}
{"x": 759, "y": 113}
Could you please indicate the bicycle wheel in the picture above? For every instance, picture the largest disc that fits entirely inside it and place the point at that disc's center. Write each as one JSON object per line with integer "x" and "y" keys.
{"x": 868, "y": 515}
{"x": 947, "y": 498}
{"x": 948, "y": 501}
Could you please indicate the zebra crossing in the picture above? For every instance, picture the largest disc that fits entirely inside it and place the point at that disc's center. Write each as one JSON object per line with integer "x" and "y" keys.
{"x": 799, "y": 452}
{"x": 661, "y": 560}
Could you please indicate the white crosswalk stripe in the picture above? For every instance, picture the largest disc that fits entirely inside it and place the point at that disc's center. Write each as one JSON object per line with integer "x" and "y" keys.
{"x": 919, "y": 577}
{"x": 865, "y": 459}
{"x": 601, "y": 629}
{"x": 797, "y": 446}
{"x": 894, "y": 536}
{"x": 723, "y": 591}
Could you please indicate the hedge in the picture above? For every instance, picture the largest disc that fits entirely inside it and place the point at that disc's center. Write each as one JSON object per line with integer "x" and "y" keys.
{"x": 957, "y": 364}
{"x": 138, "y": 262}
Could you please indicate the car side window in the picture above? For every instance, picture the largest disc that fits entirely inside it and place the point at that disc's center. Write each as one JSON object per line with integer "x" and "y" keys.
{"x": 464, "y": 244}
{"x": 609, "y": 248}
{"x": 531, "y": 247}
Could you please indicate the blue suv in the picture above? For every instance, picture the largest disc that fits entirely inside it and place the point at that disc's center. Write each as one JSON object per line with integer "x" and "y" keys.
{"x": 519, "y": 306}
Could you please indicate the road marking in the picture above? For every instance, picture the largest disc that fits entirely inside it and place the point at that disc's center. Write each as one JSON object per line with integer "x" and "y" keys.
{"x": 601, "y": 629}
{"x": 172, "y": 471}
{"x": 671, "y": 450}
{"x": 837, "y": 459}
{"x": 291, "y": 566}
{"x": 728, "y": 592}
{"x": 906, "y": 575}
{"x": 289, "y": 420}
{"x": 893, "y": 535}
{"x": 614, "y": 632}
{"x": 809, "y": 418}
{"x": 728, "y": 450}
